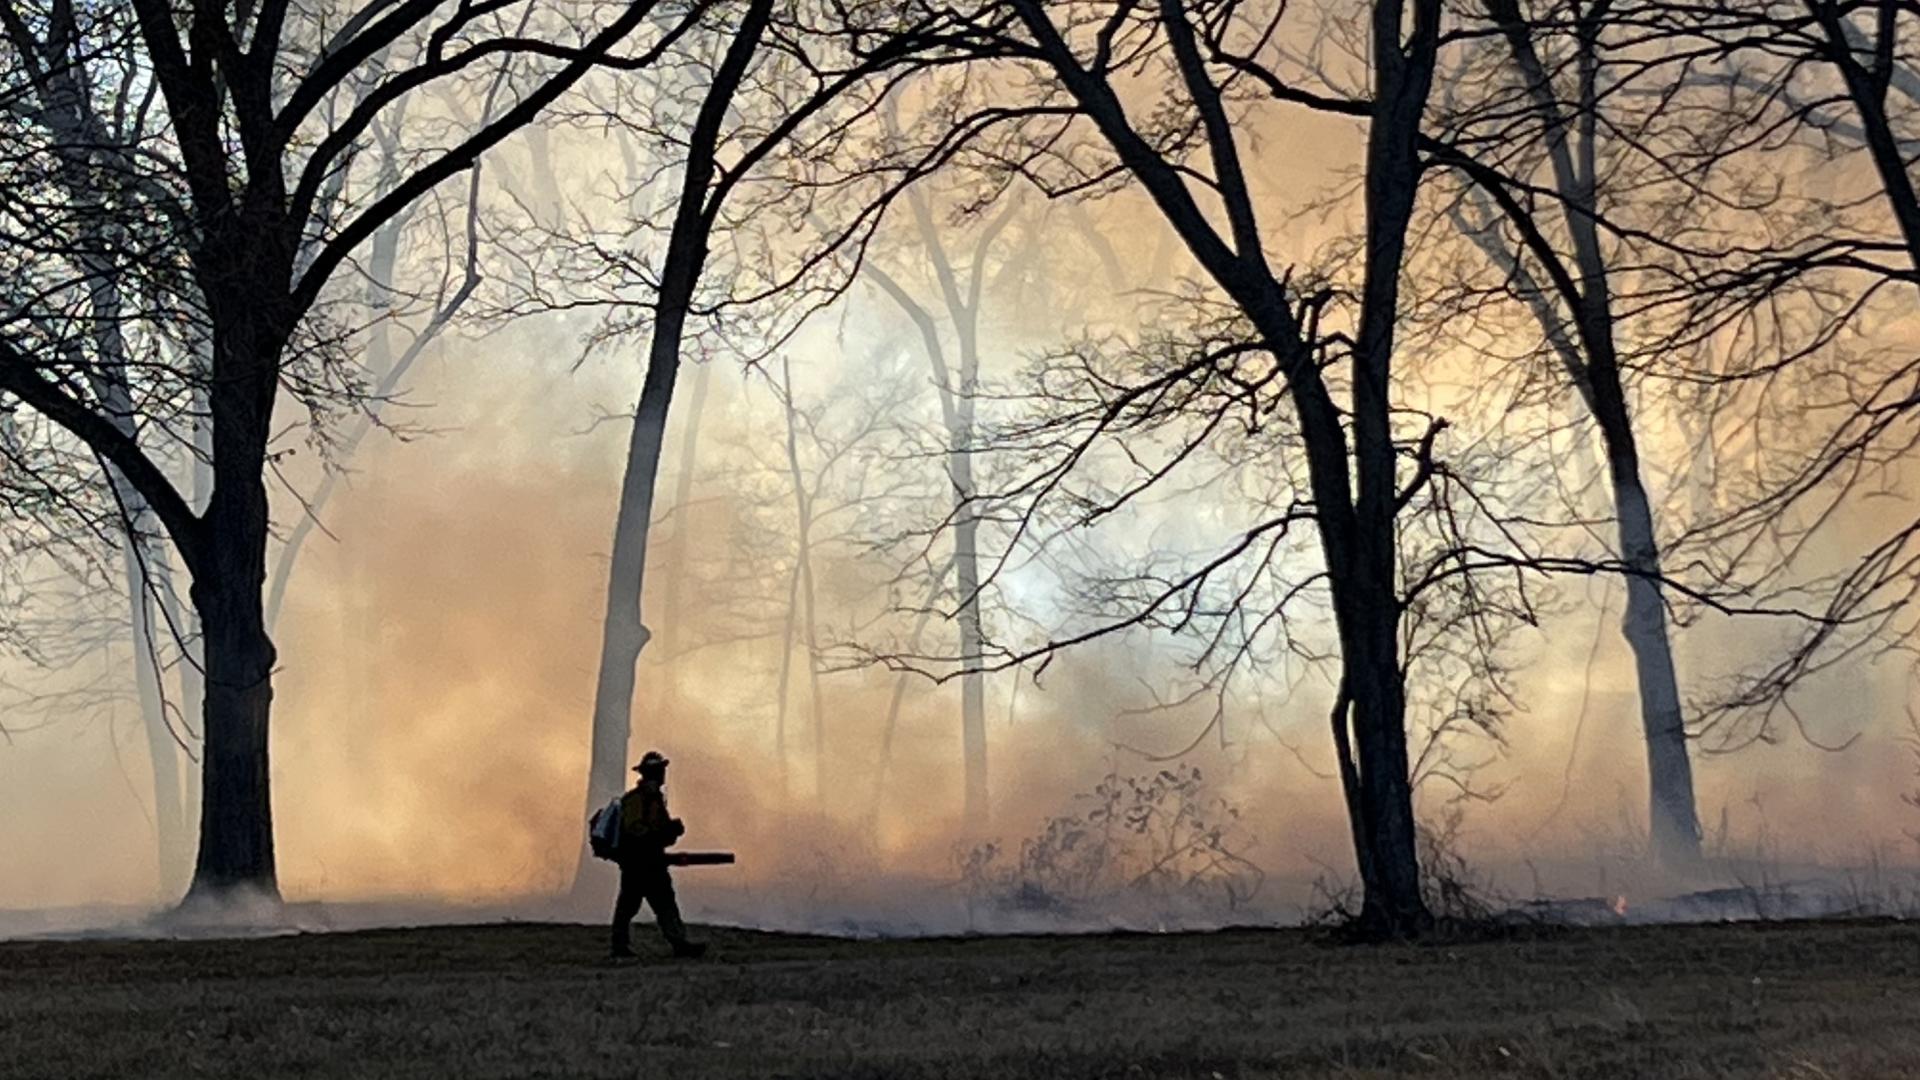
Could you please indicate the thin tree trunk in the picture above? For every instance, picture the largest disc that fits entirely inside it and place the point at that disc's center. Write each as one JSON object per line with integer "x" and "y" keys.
{"x": 179, "y": 622}
{"x": 819, "y": 718}
{"x": 552, "y": 210}
{"x": 623, "y": 633}
{"x": 784, "y": 680}
{"x": 172, "y": 844}
{"x": 381, "y": 261}
{"x": 1102, "y": 247}
{"x": 898, "y": 697}
{"x": 175, "y": 849}
{"x": 66, "y": 107}
{"x": 1162, "y": 265}
{"x": 674, "y": 633}
{"x": 973, "y": 719}
{"x": 957, "y": 400}
{"x": 803, "y": 580}
{"x": 966, "y": 562}
{"x": 1674, "y": 825}
{"x": 973, "y": 690}
{"x": 1572, "y": 145}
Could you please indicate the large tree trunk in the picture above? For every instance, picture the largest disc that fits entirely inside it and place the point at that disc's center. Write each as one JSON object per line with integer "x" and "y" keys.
{"x": 1378, "y": 789}
{"x": 1357, "y": 539}
{"x": 193, "y": 666}
{"x": 1672, "y": 819}
{"x": 229, "y": 579}
{"x": 227, "y": 554}
{"x": 1673, "y": 824}
{"x": 1364, "y": 563}
{"x": 236, "y": 807}
{"x": 1357, "y": 536}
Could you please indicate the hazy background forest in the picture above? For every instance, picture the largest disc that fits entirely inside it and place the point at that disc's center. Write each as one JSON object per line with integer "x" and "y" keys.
{"x": 442, "y": 611}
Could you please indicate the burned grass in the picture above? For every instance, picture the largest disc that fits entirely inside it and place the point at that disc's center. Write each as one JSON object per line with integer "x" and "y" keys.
{"x": 1802, "y": 1000}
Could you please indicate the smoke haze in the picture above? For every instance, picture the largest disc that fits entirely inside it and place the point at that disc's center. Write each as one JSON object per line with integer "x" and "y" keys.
{"x": 437, "y": 670}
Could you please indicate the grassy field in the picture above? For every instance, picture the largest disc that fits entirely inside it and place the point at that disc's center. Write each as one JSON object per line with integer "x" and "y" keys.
{"x": 1784, "y": 1000}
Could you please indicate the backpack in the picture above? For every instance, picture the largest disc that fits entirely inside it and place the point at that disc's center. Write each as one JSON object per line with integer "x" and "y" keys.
{"x": 603, "y": 831}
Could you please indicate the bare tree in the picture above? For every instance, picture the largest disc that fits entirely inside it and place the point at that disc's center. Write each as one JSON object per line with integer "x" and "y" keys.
{"x": 69, "y": 98}
{"x": 1186, "y": 155}
{"x": 262, "y": 111}
{"x": 1551, "y": 120}
{"x": 957, "y": 383}
{"x": 624, "y": 635}
{"x": 812, "y": 90}
{"x": 1832, "y": 86}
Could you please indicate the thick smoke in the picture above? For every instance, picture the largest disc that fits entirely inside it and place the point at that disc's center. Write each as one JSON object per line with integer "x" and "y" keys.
{"x": 431, "y": 714}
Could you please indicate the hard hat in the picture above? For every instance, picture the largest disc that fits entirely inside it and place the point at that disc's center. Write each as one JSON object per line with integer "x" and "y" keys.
{"x": 652, "y": 759}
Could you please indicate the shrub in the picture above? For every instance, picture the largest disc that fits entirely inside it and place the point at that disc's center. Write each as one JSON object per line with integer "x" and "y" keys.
{"x": 1159, "y": 837}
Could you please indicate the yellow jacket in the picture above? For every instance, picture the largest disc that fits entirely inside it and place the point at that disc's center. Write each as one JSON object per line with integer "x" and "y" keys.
{"x": 645, "y": 826}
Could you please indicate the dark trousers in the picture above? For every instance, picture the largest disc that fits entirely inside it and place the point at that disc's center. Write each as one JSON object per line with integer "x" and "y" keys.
{"x": 650, "y": 882}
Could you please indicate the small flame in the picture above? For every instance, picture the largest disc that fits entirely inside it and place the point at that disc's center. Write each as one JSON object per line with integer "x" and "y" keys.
{"x": 1620, "y": 906}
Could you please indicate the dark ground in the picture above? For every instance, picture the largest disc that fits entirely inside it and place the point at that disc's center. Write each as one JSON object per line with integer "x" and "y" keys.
{"x": 1804, "y": 1000}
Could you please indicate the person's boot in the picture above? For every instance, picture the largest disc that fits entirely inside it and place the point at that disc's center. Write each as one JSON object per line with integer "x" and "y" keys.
{"x": 690, "y": 950}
